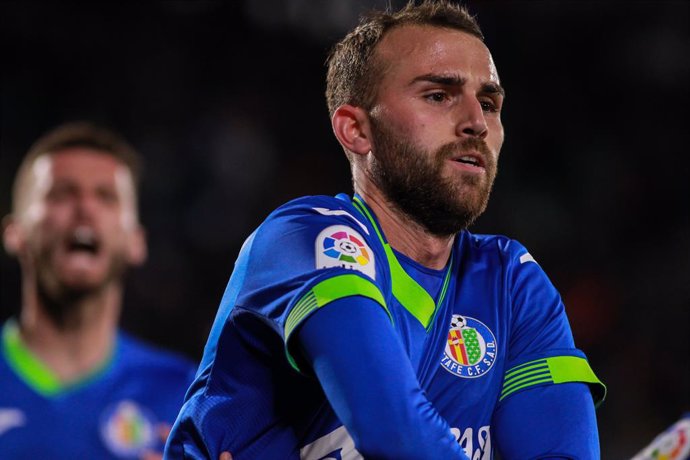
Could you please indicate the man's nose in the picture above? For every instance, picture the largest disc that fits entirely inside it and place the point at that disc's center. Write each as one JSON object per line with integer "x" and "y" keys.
{"x": 471, "y": 120}
{"x": 86, "y": 205}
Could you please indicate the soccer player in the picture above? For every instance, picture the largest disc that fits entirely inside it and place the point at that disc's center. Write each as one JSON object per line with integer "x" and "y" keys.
{"x": 376, "y": 325}
{"x": 672, "y": 444}
{"x": 72, "y": 385}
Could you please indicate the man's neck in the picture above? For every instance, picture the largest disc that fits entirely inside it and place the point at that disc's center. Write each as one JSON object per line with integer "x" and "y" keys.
{"x": 407, "y": 236}
{"x": 78, "y": 344}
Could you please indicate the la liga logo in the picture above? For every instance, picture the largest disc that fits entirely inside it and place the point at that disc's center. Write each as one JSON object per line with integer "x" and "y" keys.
{"x": 341, "y": 246}
{"x": 346, "y": 247}
{"x": 470, "y": 348}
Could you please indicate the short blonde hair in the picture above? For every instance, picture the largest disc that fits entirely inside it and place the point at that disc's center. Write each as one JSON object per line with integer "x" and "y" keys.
{"x": 353, "y": 72}
{"x": 76, "y": 134}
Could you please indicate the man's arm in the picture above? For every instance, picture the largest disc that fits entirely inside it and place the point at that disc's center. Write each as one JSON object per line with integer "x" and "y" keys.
{"x": 369, "y": 381}
{"x": 546, "y": 406}
{"x": 548, "y": 422}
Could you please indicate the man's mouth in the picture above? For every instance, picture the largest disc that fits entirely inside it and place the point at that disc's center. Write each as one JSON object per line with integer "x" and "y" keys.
{"x": 471, "y": 159}
{"x": 84, "y": 240}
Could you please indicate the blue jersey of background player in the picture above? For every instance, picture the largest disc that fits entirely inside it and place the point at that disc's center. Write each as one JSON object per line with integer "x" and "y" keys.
{"x": 123, "y": 409}
{"x": 73, "y": 386}
{"x": 377, "y": 326}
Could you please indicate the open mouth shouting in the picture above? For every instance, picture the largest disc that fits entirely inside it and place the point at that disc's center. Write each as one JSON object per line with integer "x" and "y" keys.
{"x": 83, "y": 240}
{"x": 81, "y": 250}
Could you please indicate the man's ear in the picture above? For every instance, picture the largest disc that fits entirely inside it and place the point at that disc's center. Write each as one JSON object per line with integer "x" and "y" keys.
{"x": 12, "y": 237}
{"x": 137, "y": 249}
{"x": 352, "y": 128}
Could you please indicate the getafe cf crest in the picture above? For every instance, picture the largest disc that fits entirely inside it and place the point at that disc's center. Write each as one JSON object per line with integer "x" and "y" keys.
{"x": 470, "y": 348}
{"x": 127, "y": 429}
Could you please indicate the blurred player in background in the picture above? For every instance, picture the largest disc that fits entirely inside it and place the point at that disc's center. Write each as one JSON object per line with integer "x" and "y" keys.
{"x": 377, "y": 326}
{"x": 672, "y": 444}
{"x": 73, "y": 385}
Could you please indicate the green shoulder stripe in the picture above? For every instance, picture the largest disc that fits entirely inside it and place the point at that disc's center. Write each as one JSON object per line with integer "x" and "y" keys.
{"x": 409, "y": 293}
{"x": 36, "y": 374}
{"x": 327, "y": 291}
{"x": 554, "y": 370}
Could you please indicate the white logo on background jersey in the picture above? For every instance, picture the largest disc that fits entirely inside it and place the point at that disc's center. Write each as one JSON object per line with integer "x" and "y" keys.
{"x": 342, "y": 246}
{"x": 11, "y": 418}
{"x": 527, "y": 258}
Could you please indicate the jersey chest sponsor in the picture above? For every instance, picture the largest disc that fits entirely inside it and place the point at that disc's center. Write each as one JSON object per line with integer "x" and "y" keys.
{"x": 338, "y": 445}
{"x": 475, "y": 442}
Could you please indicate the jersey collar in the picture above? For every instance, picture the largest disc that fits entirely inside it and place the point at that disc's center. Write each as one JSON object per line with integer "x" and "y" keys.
{"x": 406, "y": 290}
{"x": 30, "y": 369}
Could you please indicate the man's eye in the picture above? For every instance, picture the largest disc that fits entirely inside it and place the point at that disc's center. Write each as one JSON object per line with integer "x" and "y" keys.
{"x": 437, "y": 96}
{"x": 108, "y": 196}
{"x": 489, "y": 106}
{"x": 59, "y": 193}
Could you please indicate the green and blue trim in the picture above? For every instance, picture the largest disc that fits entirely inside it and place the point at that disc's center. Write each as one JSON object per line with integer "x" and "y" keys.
{"x": 33, "y": 371}
{"x": 327, "y": 291}
{"x": 553, "y": 370}
{"x": 27, "y": 366}
{"x": 409, "y": 293}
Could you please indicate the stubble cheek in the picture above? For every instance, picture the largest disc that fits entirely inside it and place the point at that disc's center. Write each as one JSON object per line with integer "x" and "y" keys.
{"x": 497, "y": 137}
{"x": 42, "y": 241}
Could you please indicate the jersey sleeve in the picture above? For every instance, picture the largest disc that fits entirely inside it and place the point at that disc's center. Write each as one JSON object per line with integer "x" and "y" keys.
{"x": 305, "y": 256}
{"x": 541, "y": 349}
{"x": 562, "y": 415}
{"x": 378, "y": 399}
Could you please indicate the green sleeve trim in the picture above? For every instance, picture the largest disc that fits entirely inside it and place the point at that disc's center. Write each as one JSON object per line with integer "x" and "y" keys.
{"x": 27, "y": 366}
{"x": 555, "y": 370}
{"x": 325, "y": 292}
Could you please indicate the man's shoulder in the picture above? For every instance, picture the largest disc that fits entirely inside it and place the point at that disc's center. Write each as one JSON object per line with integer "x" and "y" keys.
{"x": 315, "y": 205}
{"x": 315, "y": 212}
{"x": 133, "y": 352}
{"x": 306, "y": 234}
{"x": 491, "y": 244}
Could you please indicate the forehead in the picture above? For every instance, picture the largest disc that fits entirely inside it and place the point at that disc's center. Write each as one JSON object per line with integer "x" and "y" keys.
{"x": 79, "y": 164}
{"x": 411, "y": 50}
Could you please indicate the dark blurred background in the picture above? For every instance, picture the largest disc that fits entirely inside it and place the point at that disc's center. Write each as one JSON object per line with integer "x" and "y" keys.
{"x": 225, "y": 102}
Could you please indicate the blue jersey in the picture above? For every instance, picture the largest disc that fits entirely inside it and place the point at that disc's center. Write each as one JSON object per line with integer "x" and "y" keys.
{"x": 484, "y": 329}
{"x": 116, "y": 413}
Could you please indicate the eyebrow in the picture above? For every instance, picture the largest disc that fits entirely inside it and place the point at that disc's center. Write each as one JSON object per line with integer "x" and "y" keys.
{"x": 456, "y": 80}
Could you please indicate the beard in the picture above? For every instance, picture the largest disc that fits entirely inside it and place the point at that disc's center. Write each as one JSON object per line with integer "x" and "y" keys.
{"x": 413, "y": 180}
{"x": 63, "y": 298}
